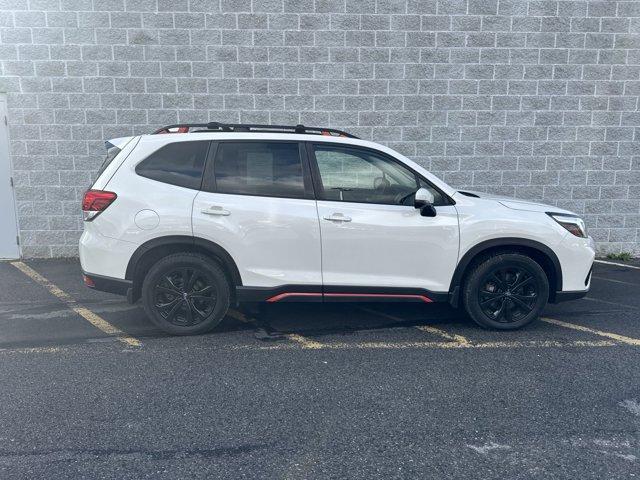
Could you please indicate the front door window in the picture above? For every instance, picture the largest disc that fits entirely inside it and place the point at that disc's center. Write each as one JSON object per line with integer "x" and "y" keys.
{"x": 353, "y": 175}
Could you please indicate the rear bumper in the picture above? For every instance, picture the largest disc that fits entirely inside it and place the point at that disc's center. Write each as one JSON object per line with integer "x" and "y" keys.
{"x": 106, "y": 255}
{"x": 107, "y": 284}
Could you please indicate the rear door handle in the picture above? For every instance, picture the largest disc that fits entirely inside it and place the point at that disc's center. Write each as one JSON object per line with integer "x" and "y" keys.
{"x": 216, "y": 210}
{"x": 337, "y": 217}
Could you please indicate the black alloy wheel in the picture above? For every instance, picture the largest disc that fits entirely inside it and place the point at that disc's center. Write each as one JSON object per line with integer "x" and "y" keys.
{"x": 185, "y": 296}
{"x": 508, "y": 294}
{"x": 505, "y": 291}
{"x": 186, "y": 293}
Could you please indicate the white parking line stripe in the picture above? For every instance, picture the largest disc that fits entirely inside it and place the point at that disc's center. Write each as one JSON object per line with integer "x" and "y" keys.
{"x": 425, "y": 328}
{"x": 616, "y": 281}
{"x": 617, "y": 304}
{"x": 617, "y": 264}
{"x": 93, "y": 318}
{"x": 66, "y": 313}
{"x": 582, "y": 328}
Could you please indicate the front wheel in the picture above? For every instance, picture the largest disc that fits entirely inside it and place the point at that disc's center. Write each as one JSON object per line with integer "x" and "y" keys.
{"x": 186, "y": 294}
{"x": 506, "y": 291}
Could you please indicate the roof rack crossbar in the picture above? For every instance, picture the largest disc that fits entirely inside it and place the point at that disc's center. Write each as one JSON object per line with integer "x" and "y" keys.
{"x": 250, "y": 127}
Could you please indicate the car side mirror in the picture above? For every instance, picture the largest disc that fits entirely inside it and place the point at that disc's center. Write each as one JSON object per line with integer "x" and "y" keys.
{"x": 424, "y": 201}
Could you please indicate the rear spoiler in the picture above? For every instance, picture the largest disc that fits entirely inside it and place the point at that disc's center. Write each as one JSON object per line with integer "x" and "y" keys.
{"x": 119, "y": 142}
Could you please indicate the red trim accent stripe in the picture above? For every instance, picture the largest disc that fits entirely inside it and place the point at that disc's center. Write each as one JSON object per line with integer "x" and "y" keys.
{"x": 422, "y": 298}
{"x": 280, "y": 296}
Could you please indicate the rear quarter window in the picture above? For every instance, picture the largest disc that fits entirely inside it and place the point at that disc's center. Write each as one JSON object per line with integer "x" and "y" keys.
{"x": 178, "y": 163}
{"x": 112, "y": 153}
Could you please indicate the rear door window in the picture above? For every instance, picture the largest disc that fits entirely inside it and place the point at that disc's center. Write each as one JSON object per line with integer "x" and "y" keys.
{"x": 271, "y": 169}
{"x": 178, "y": 163}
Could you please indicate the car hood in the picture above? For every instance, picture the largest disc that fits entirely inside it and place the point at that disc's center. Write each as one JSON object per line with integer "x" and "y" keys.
{"x": 514, "y": 203}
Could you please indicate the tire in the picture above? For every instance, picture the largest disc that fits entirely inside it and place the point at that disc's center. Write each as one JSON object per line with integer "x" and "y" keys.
{"x": 197, "y": 310}
{"x": 505, "y": 291}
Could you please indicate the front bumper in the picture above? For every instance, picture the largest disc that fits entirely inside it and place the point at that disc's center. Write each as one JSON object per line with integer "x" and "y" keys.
{"x": 576, "y": 257}
{"x": 567, "y": 296}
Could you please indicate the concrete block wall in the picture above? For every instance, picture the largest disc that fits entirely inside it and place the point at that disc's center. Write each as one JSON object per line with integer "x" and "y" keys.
{"x": 534, "y": 99}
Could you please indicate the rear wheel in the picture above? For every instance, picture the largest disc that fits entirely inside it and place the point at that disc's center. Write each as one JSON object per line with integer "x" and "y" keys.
{"x": 506, "y": 291}
{"x": 186, "y": 294}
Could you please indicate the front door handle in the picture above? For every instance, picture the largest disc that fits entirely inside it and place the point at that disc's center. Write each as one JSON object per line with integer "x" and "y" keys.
{"x": 216, "y": 210}
{"x": 337, "y": 217}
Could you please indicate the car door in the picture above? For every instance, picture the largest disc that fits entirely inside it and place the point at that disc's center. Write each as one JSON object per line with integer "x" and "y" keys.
{"x": 257, "y": 203}
{"x": 372, "y": 236}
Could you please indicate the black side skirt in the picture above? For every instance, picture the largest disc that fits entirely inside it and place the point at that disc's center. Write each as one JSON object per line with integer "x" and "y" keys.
{"x": 317, "y": 293}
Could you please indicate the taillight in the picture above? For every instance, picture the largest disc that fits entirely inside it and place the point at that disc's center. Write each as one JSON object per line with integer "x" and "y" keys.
{"x": 88, "y": 281}
{"x": 96, "y": 202}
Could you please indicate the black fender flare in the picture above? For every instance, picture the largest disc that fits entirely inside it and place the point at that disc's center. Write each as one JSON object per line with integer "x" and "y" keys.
{"x": 190, "y": 244}
{"x": 476, "y": 250}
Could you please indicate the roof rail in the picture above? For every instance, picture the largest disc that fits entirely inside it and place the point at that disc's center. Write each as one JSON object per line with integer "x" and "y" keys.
{"x": 250, "y": 127}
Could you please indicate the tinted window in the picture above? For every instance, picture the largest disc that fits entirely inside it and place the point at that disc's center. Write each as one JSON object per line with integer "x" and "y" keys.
{"x": 112, "y": 153}
{"x": 178, "y": 163}
{"x": 259, "y": 168}
{"x": 355, "y": 175}
{"x": 360, "y": 176}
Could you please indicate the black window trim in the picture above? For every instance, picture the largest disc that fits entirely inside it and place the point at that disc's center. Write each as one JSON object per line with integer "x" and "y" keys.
{"x": 209, "y": 179}
{"x": 317, "y": 182}
{"x": 204, "y": 170}
{"x": 313, "y": 188}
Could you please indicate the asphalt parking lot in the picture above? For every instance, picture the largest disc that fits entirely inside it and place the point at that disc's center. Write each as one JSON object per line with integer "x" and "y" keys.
{"x": 90, "y": 389}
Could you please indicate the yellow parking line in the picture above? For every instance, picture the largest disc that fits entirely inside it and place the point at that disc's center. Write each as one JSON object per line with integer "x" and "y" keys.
{"x": 433, "y": 345}
{"x": 93, "y": 318}
{"x": 236, "y": 315}
{"x": 294, "y": 337}
{"x": 425, "y": 328}
{"x": 436, "y": 331}
{"x": 33, "y": 350}
{"x": 581, "y": 328}
{"x": 304, "y": 341}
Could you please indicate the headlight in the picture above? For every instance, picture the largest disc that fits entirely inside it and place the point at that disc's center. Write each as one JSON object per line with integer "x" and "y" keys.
{"x": 573, "y": 224}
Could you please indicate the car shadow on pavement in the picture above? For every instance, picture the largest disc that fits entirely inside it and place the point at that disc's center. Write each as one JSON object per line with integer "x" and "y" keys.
{"x": 345, "y": 318}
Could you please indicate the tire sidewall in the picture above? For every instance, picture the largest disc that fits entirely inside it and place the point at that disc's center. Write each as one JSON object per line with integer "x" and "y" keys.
{"x": 472, "y": 285}
{"x": 177, "y": 261}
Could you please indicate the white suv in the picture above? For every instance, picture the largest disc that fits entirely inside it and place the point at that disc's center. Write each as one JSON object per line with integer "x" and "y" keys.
{"x": 197, "y": 217}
